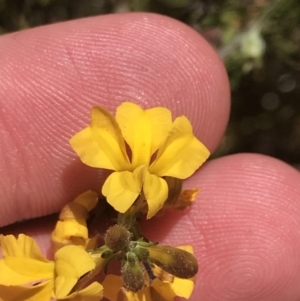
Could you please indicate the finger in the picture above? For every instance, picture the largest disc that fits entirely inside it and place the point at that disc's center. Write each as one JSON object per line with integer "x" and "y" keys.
{"x": 244, "y": 227}
{"x": 40, "y": 229}
{"x": 52, "y": 76}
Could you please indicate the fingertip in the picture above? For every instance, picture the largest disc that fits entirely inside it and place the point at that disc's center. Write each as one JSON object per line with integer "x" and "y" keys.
{"x": 245, "y": 229}
{"x": 146, "y": 58}
{"x": 51, "y": 77}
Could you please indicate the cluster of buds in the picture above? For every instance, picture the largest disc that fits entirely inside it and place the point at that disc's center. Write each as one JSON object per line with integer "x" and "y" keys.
{"x": 140, "y": 259}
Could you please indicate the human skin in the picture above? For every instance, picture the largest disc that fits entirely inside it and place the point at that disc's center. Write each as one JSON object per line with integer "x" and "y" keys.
{"x": 245, "y": 223}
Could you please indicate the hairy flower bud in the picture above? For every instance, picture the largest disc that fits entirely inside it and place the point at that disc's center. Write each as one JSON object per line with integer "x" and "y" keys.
{"x": 132, "y": 273}
{"x": 177, "y": 262}
{"x": 117, "y": 238}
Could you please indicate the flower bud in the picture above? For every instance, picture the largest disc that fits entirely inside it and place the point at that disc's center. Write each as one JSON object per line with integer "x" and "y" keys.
{"x": 117, "y": 238}
{"x": 177, "y": 262}
{"x": 132, "y": 273}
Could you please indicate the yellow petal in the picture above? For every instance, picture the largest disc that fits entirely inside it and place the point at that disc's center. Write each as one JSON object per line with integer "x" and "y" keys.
{"x": 156, "y": 193}
{"x": 94, "y": 292}
{"x": 25, "y": 274}
{"x": 96, "y": 256}
{"x": 69, "y": 231}
{"x": 10, "y": 277}
{"x": 71, "y": 262}
{"x": 88, "y": 150}
{"x": 76, "y": 260}
{"x": 163, "y": 289}
{"x": 143, "y": 130}
{"x": 113, "y": 291}
{"x": 30, "y": 267}
{"x": 22, "y": 275}
{"x": 187, "y": 248}
{"x": 73, "y": 211}
{"x": 23, "y": 246}
{"x": 22, "y": 261}
{"x": 40, "y": 292}
{"x": 111, "y": 285}
{"x": 71, "y": 227}
{"x": 63, "y": 286}
{"x": 108, "y": 135}
{"x": 181, "y": 153}
{"x": 88, "y": 199}
{"x": 122, "y": 188}
{"x": 162, "y": 274}
{"x": 143, "y": 295}
{"x": 101, "y": 144}
{"x": 182, "y": 287}
{"x": 179, "y": 287}
{"x": 186, "y": 198}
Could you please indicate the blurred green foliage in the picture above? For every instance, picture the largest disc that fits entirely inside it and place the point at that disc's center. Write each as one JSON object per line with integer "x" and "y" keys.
{"x": 258, "y": 40}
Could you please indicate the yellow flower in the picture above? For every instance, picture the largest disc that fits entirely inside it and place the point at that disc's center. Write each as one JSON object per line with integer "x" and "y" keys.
{"x": 25, "y": 275}
{"x": 158, "y": 148}
{"x": 71, "y": 227}
{"x": 71, "y": 264}
{"x": 164, "y": 288}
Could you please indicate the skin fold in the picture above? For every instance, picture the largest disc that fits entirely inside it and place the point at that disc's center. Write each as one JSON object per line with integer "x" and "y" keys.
{"x": 245, "y": 223}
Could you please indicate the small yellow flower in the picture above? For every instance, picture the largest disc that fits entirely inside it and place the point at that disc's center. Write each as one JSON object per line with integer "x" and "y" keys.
{"x": 71, "y": 227}
{"x": 158, "y": 148}
{"x": 25, "y": 275}
{"x": 164, "y": 288}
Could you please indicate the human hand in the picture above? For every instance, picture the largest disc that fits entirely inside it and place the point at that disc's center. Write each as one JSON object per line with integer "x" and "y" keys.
{"x": 245, "y": 223}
